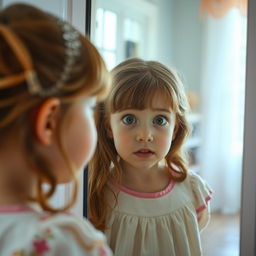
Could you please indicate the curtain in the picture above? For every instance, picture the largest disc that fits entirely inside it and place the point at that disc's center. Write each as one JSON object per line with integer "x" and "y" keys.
{"x": 219, "y": 8}
{"x": 223, "y": 83}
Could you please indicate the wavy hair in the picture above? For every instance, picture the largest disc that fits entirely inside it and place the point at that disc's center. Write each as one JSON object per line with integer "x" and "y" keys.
{"x": 135, "y": 82}
{"x": 29, "y": 34}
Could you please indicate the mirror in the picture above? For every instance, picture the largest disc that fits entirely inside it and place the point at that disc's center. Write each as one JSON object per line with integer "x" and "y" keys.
{"x": 207, "y": 45}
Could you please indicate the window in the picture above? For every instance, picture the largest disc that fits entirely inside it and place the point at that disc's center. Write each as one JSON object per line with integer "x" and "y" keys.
{"x": 106, "y": 35}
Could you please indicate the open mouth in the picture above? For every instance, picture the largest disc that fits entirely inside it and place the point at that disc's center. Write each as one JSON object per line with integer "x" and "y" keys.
{"x": 144, "y": 153}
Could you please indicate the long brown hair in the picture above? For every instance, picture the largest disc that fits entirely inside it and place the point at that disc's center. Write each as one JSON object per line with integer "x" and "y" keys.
{"x": 30, "y": 35}
{"x": 135, "y": 83}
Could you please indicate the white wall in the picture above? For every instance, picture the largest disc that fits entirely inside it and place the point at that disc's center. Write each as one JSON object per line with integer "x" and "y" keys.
{"x": 57, "y": 7}
{"x": 165, "y": 32}
{"x": 72, "y": 11}
{"x": 187, "y": 41}
{"x": 180, "y": 39}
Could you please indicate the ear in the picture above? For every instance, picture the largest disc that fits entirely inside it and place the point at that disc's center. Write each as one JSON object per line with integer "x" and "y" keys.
{"x": 46, "y": 120}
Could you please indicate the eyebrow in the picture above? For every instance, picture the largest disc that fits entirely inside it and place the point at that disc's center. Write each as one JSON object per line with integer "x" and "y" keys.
{"x": 161, "y": 110}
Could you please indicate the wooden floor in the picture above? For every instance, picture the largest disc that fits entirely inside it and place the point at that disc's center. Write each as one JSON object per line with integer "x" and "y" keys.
{"x": 221, "y": 237}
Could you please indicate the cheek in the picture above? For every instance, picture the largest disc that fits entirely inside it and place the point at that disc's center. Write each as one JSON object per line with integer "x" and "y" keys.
{"x": 89, "y": 141}
{"x": 83, "y": 142}
{"x": 121, "y": 139}
{"x": 165, "y": 139}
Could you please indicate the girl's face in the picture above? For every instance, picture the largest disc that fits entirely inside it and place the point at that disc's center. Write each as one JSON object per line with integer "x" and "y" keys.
{"x": 143, "y": 137}
{"x": 79, "y": 137}
{"x": 81, "y": 132}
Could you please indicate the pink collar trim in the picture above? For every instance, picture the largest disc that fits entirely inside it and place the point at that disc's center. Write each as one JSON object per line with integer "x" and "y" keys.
{"x": 15, "y": 209}
{"x": 128, "y": 191}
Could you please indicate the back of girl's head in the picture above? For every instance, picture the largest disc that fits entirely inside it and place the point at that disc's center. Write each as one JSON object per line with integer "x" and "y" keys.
{"x": 42, "y": 57}
{"x": 135, "y": 83}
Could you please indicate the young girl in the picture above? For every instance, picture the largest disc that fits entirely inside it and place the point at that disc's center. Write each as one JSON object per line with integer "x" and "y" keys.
{"x": 141, "y": 193}
{"x": 50, "y": 79}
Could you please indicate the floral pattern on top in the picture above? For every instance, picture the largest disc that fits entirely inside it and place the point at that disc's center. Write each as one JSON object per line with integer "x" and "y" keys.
{"x": 39, "y": 233}
{"x": 40, "y": 245}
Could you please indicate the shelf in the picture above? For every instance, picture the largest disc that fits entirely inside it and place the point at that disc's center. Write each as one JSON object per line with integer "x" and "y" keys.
{"x": 193, "y": 142}
{"x": 194, "y": 118}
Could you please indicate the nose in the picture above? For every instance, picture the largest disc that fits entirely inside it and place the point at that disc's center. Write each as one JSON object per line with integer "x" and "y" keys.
{"x": 144, "y": 135}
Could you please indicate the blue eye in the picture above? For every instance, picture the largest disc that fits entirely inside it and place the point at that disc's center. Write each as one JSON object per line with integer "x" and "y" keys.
{"x": 160, "y": 120}
{"x": 129, "y": 119}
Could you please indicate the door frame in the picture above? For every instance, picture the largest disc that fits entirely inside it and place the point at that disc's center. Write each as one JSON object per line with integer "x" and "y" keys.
{"x": 248, "y": 196}
{"x": 88, "y": 12}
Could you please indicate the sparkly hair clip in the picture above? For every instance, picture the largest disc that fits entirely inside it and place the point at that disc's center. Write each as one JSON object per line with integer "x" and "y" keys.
{"x": 72, "y": 44}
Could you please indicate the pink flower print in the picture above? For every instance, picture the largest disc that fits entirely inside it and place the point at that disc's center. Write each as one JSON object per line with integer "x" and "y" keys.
{"x": 41, "y": 246}
{"x": 102, "y": 251}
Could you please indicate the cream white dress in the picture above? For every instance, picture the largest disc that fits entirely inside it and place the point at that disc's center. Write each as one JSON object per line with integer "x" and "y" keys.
{"x": 166, "y": 223}
{"x": 27, "y": 232}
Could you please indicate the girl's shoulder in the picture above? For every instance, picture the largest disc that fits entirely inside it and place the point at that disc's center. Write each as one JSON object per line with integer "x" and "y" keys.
{"x": 201, "y": 195}
{"x": 197, "y": 183}
{"x": 56, "y": 234}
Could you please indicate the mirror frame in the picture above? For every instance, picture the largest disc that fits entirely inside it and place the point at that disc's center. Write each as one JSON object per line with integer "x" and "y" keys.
{"x": 248, "y": 199}
{"x": 88, "y": 11}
